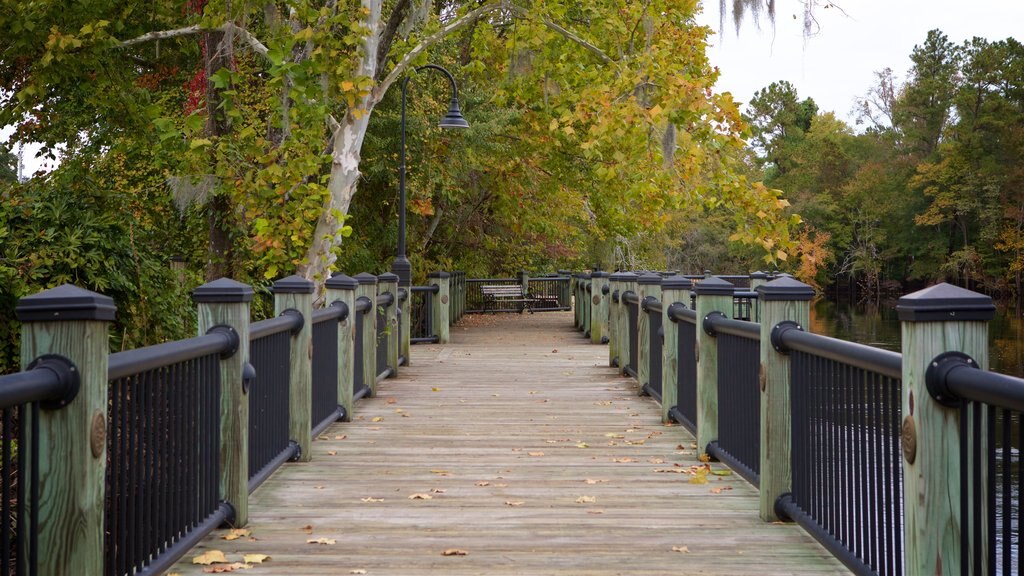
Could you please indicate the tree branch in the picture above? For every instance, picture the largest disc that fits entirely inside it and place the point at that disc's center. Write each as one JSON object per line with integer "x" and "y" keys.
{"x": 429, "y": 41}
{"x": 242, "y": 33}
{"x": 387, "y": 37}
{"x": 569, "y": 36}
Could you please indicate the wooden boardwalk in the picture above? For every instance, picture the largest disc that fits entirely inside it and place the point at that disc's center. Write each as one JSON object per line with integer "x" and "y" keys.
{"x": 517, "y": 445}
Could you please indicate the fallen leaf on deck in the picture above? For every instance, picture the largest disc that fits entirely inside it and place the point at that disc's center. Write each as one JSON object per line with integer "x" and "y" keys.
{"x": 483, "y": 483}
{"x": 583, "y": 445}
{"x": 680, "y": 549}
{"x": 322, "y": 437}
{"x": 420, "y": 497}
{"x": 595, "y": 511}
{"x": 586, "y": 500}
{"x": 377, "y": 419}
{"x": 341, "y": 436}
{"x": 656, "y": 461}
{"x": 720, "y": 489}
{"x": 594, "y": 481}
{"x": 374, "y": 428}
{"x": 722, "y": 472}
{"x": 535, "y": 453}
{"x": 221, "y": 568}
{"x": 255, "y": 558}
{"x": 672, "y": 470}
{"x": 441, "y": 472}
{"x": 308, "y": 529}
{"x": 555, "y": 351}
{"x": 319, "y": 487}
{"x": 357, "y": 571}
{"x": 704, "y": 458}
{"x": 502, "y": 485}
{"x": 513, "y": 504}
{"x": 623, "y": 460}
{"x": 235, "y": 534}
{"x": 699, "y": 479}
{"x": 454, "y": 552}
{"x": 392, "y": 400}
{"x": 372, "y": 499}
{"x": 613, "y": 435}
{"x": 635, "y": 442}
{"x": 435, "y": 389}
{"x": 209, "y": 557}
{"x": 332, "y": 453}
{"x": 438, "y": 490}
{"x": 321, "y": 541}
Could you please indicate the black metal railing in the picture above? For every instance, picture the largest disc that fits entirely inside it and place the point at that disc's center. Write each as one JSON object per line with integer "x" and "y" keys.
{"x": 745, "y": 306}
{"x": 632, "y": 302}
{"x": 739, "y": 394}
{"x": 49, "y": 380}
{"x": 847, "y": 475}
{"x": 991, "y": 483}
{"x": 476, "y": 302}
{"x": 163, "y": 444}
{"x": 422, "y": 311}
{"x": 324, "y": 392}
{"x": 270, "y": 395}
{"x": 652, "y": 307}
{"x": 685, "y": 321}
{"x": 551, "y": 293}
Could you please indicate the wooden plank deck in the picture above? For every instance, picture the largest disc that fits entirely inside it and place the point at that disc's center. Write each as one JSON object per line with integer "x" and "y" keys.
{"x": 503, "y": 429}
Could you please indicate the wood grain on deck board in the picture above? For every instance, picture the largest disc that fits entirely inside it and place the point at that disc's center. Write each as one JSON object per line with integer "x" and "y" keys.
{"x": 502, "y": 428}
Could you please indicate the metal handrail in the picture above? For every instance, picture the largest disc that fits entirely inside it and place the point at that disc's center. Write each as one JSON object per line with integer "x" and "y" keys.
{"x": 717, "y": 323}
{"x": 129, "y": 362}
{"x": 288, "y": 321}
{"x": 787, "y": 336}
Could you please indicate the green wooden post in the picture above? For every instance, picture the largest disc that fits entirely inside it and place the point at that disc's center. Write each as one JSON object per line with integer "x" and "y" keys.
{"x": 599, "y": 308}
{"x": 614, "y": 285}
{"x": 673, "y": 289}
{"x": 648, "y": 284}
{"x": 441, "y": 301}
{"x": 342, "y": 289}
{"x": 368, "y": 289}
{"x": 757, "y": 279}
{"x": 405, "y": 332}
{"x": 225, "y": 302}
{"x": 942, "y": 318}
{"x": 713, "y": 295}
{"x": 587, "y": 304}
{"x": 628, "y": 284}
{"x": 73, "y": 323}
{"x": 781, "y": 300}
{"x": 296, "y": 293}
{"x": 387, "y": 283}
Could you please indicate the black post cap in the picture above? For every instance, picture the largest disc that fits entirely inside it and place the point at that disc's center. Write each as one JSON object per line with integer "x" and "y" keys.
{"x": 945, "y": 303}
{"x": 758, "y": 275}
{"x": 222, "y": 291}
{"x": 387, "y": 277}
{"x": 366, "y": 279}
{"x": 439, "y": 274}
{"x": 714, "y": 286}
{"x": 342, "y": 282}
{"x": 649, "y": 279}
{"x": 599, "y": 274}
{"x": 628, "y": 276}
{"x": 785, "y": 289}
{"x": 65, "y": 302}
{"x": 292, "y": 285}
{"x": 676, "y": 282}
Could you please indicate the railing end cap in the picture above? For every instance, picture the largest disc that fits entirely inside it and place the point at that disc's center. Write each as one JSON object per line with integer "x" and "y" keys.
{"x": 785, "y": 289}
{"x": 294, "y": 284}
{"x": 222, "y": 291}
{"x": 366, "y": 279}
{"x": 649, "y": 279}
{"x": 714, "y": 286}
{"x": 676, "y": 282}
{"x": 758, "y": 275}
{"x": 342, "y": 282}
{"x": 439, "y": 274}
{"x": 945, "y": 303}
{"x": 599, "y": 274}
{"x": 387, "y": 277}
{"x": 65, "y": 302}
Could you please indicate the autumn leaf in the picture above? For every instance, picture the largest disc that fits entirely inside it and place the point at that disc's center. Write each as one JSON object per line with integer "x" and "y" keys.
{"x": 321, "y": 541}
{"x": 235, "y": 534}
{"x": 454, "y": 552}
{"x": 583, "y": 445}
{"x": 593, "y": 511}
{"x": 420, "y": 496}
{"x": 586, "y": 500}
{"x": 435, "y": 389}
{"x": 341, "y": 437}
{"x": 438, "y": 490}
{"x": 221, "y": 568}
{"x": 377, "y": 419}
{"x": 357, "y": 571}
{"x": 255, "y": 558}
{"x": 514, "y": 503}
{"x": 683, "y": 549}
{"x": 594, "y": 481}
{"x": 372, "y": 499}
{"x": 392, "y": 400}
{"x": 720, "y": 489}
{"x": 483, "y": 483}
{"x": 535, "y": 453}
{"x": 332, "y": 452}
{"x": 209, "y": 557}
{"x": 308, "y": 528}
{"x": 440, "y": 472}
{"x": 704, "y": 458}
{"x": 623, "y": 460}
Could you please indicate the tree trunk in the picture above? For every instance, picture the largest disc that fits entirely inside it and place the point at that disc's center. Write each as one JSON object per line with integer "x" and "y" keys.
{"x": 217, "y": 55}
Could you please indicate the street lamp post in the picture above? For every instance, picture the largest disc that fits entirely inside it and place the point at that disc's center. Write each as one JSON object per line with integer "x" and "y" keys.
{"x": 401, "y": 267}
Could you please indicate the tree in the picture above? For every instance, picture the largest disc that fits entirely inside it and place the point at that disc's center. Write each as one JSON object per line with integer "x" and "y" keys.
{"x": 778, "y": 122}
{"x": 922, "y": 112}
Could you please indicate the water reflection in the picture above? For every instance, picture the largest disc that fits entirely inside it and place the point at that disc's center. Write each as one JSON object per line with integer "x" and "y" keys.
{"x": 876, "y": 324}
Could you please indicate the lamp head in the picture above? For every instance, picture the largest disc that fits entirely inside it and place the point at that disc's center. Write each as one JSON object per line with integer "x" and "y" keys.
{"x": 453, "y": 119}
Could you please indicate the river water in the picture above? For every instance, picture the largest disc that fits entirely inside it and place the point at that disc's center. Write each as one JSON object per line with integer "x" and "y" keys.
{"x": 877, "y": 325}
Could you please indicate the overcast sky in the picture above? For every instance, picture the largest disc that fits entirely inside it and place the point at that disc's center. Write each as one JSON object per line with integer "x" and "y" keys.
{"x": 838, "y": 63}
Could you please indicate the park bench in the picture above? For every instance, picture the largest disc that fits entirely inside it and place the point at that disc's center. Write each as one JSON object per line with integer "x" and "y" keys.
{"x": 512, "y": 297}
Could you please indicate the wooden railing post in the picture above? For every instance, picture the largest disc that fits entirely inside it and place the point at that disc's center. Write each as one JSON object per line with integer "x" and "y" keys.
{"x": 939, "y": 319}
{"x": 368, "y": 289}
{"x": 441, "y": 305}
{"x": 586, "y": 304}
{"x": 296, "y": 293}
{"x": 405, "y": 333}
{"x": 628, "y": 284}
{"x": 342, "y": 288}
{"x": 782, "y": 300}
{"x": 598, "y": 308}
{"x": 73, "y": 323}
{"x": 614, "y": 285}
{"x": 524, "y": 281}
{"x": 713, "y": 295}
{"x": 225, "y": 302}
{"x": 673, "y": 289}
{"x": 648, "y": 284}
{"x": 387, "y": 283}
